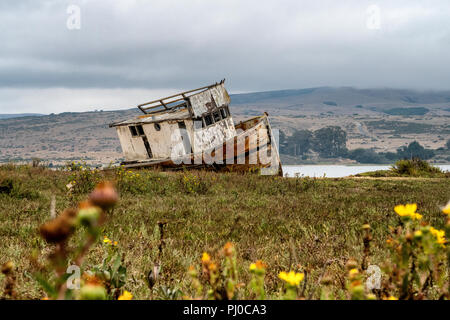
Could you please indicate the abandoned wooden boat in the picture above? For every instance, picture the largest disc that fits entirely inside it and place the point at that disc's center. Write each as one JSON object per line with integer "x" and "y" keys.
{"x": 194, "y": 129}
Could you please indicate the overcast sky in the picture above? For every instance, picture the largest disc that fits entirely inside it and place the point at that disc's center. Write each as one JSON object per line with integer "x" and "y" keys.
{"x": 131, "y": 51}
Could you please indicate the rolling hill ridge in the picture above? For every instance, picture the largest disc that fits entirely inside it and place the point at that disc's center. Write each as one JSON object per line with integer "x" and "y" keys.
{"x": 382, "y": 119}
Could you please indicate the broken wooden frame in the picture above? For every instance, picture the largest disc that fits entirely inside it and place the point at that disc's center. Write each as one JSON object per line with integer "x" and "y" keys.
{"x": 174, "y": 102}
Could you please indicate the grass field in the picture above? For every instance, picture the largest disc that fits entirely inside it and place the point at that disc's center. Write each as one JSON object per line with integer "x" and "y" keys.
{"x": 313, "y": 225}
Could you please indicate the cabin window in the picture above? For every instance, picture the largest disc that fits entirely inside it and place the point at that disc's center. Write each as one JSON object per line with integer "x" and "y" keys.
{"x": 140, "y": 130}
{"x": 223, "y": 112}
{"x": 217, "y": 117}
{"x": 208, "y": 120}
{"x": 157, "y": 126}
{"x": 137, "y": 131}
{"x": 203, "y": 122}
{"x": 133, "y": 131}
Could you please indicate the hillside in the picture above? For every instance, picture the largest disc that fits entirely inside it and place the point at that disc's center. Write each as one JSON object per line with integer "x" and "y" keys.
{"x": 383, "y": 119}
{"x": 19, "y": 115}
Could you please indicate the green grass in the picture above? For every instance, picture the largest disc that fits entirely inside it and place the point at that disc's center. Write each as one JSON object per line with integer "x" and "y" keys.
{"x": 286, "y": 222}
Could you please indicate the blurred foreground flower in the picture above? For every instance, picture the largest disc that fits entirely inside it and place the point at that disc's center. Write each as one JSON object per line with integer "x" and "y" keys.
{"x": 126, "y": 295}
{"x": 106, "y": 240}
{"x": 93, "y": 292}
{"x": 205, "y": 258}
{"x": 228, "y": 249}
{"x": 60, "y": 228}
{"x": 257, "y": 266}
{"x": 7, "y": 267}
{"x": 353, "y": 273}
{"x": 440, "y": 236}
{"x": 90, "y": 214}
{"x": 292, "y": 281}
{"x": 446, "y": 209}
{"x": 408, "y": 211}
{"x": 258, "y": 271}
{"x": 104, "y": 196}
{"x": 292, "y": 278}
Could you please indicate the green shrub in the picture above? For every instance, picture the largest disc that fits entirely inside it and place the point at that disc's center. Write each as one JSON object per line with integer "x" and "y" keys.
{"x": 17, "y": 189}
{"x": 193, "y": 183}
{"x": 82, "y": 179}
{"x": 415, "y": 167}
{"x": 6, "y": 186}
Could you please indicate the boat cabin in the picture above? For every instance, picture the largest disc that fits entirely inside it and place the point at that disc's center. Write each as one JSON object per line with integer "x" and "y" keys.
{"x": 178, "y": 125}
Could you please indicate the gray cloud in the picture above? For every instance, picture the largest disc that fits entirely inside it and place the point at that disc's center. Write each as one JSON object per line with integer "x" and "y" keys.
{"x": 256, "y": 45}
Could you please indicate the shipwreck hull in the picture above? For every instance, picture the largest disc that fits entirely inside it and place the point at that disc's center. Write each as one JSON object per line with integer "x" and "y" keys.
{"x": 252, "y": 149}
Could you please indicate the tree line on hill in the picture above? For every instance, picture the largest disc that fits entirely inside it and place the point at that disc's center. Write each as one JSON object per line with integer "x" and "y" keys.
{"x": 330, "y": 142}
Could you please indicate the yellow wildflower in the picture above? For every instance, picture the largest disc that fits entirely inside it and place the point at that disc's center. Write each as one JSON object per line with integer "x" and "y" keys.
{"x": 446, "y": 209}
{"x": 391, "y": 298}
{"x": 440, "y": 236}
{"x": 416, "y": 216}
{"x": 408, "y": 210}
{"x": 126, "y": 295}
{"x": 106, "y": 240}
{"x": 258, "y": 265}
{"x": 212, "y": 266}
{"x": 366, "y": 226}
{"x": 116, "y": 243}
{"x": 206, "y": 258}
{"x": 353, "y": 272}
{"x": 292, "y": 278}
